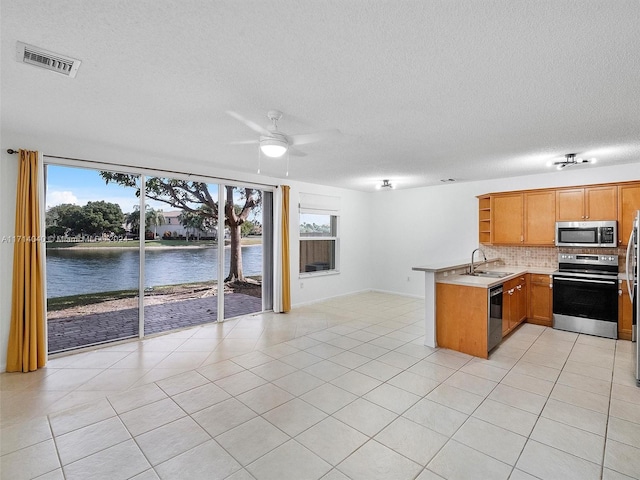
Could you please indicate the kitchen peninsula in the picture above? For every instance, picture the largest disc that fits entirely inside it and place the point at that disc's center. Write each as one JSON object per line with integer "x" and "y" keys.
{"x": 456, "y": 303}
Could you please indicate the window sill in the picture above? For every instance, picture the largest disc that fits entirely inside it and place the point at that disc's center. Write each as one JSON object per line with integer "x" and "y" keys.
{"x": 319, "y": 273}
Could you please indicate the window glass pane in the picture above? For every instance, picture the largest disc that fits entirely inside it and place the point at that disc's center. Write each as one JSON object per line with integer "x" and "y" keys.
{"x": 243, "y": 253}
{"x": 314, "y": 225}
{"x": 181, "y": 253}
{"x": 92, "y": 263}
{"x": 317, "y": 255}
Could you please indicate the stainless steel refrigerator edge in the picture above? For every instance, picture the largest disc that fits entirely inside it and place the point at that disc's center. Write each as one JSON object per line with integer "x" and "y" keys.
{"x": 633, "y": 272}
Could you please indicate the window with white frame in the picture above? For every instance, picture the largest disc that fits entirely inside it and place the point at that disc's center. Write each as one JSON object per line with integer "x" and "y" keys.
{"x": 319, "y": 241}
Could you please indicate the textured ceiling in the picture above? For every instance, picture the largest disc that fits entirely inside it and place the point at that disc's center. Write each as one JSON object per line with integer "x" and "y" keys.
{"x": 421, "y": 90}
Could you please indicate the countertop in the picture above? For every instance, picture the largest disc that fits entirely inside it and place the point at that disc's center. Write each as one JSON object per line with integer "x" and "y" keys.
{"x": 488, "y": 282}
{"x": 449, "y": 265}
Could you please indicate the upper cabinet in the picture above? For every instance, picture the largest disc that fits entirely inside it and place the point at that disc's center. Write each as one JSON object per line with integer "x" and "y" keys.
{"x": 628, "y": 204}
{"x": 523, "y": 218}
{"x": 506, "y": 219}
{"x": 588, "y": 203}
{"x": 528, "y": 217}
{"x": 484, "y": 219}
{"x": 539, "y": 217}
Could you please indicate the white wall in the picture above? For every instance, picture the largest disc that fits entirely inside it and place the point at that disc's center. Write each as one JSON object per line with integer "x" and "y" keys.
{"x": 429, "y": 225}
{"x": 355, "y": 231}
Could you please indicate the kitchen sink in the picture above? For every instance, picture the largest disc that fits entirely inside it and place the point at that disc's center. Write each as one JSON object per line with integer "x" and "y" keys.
{"x": 491, "y": 274}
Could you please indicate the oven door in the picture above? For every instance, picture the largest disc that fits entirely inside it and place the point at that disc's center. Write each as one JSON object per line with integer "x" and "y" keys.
{"x": 586, "y": 305}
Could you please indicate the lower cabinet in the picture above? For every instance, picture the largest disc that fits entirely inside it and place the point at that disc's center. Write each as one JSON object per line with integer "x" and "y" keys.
{"x": 514, "y": 303}
{"x": 625, "y": 311}
{"x": 461, "y": 318}
{"x": 540, "y": 300}
{"x": 462, "y": 311}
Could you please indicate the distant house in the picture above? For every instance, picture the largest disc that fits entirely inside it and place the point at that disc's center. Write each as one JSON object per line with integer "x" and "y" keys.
{"x": 176, "y": 229}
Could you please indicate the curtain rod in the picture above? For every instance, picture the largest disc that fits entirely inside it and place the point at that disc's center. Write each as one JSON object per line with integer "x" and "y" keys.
{"x": 11, "y": 151}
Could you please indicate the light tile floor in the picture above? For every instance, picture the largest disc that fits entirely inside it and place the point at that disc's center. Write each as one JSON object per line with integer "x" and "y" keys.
{"x": 335, "y": 390}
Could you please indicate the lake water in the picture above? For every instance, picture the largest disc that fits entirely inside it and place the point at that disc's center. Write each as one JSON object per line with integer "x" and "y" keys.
{"x": 80, "y": 271}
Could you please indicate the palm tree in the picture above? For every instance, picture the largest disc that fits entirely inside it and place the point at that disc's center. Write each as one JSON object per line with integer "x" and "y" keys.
{"x": 133, "y": 220}
{"x": 191, "y": 221}
{"x": 154, "y": 217}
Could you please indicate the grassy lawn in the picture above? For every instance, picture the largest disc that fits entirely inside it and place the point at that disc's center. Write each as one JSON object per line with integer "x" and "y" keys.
{"x": 60, "y": 303}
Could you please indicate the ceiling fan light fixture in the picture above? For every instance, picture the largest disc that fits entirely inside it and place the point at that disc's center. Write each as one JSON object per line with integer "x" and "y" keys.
{"x": 273, "y": 147}
{"x": 570, "y": 159}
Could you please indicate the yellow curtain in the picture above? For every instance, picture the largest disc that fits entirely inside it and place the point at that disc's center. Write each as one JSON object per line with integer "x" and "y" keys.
{"x": 26, "y": 351}
{"x": 286, "y": 280}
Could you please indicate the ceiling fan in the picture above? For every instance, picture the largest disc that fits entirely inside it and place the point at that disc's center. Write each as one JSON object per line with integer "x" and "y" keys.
{"x": 275, "y": 143}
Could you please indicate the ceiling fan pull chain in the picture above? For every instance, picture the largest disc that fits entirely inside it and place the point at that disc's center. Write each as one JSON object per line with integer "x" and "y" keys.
{"x": 287, "y": 174}
{"x": 259, "y": 159}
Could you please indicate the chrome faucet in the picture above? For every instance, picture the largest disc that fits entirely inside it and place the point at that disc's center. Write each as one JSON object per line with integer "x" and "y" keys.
{"x": 472, "y": 269}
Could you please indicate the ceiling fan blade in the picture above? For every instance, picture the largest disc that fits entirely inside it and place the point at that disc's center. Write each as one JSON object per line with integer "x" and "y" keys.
{"x": 244, "y": 142}
{"x": 305, "y": 138}
{"x": 252, "y": 125}
{"x": 296, "y": 153}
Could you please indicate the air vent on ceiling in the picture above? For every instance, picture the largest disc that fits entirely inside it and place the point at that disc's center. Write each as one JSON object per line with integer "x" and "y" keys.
{"x": 39, "y": 57}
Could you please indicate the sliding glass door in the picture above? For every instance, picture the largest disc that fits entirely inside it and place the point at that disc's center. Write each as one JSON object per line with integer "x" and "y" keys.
{"x": 244, "y": 251}
{"x": 115, "y": 237}
{"x": 92, "y": 260}
{"x": 180, "y": 254}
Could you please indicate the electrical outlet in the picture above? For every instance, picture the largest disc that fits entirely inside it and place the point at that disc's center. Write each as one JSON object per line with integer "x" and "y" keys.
{"x": 301, "y": 284}
{"x": 408, "y": 279}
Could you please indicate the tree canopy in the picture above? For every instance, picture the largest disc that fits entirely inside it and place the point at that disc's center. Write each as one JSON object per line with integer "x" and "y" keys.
{"x": 94, "y": 218}
{"x": 195, "y": 198}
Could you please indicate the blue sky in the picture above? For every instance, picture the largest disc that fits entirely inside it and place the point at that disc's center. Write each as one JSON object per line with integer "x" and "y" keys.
{"x": 80, "y": 185}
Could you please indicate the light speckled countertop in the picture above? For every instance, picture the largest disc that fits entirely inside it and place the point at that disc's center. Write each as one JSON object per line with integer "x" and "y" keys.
{"x": 488, "y": 282}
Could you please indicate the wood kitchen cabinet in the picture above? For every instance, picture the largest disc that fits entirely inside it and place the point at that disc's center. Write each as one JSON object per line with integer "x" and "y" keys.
{"x": 461, "y": 318}
{"x": 539, "y": 217}
{"x": 540, "y": 300}
{"x": 522, "y": 218}
{"x": 625, "y": 311}
{"x": 507, "y": 219}
{"x": 628, "y": 204}
{"x": 588, "y": 203}
{"x": 514, "y": 303}
{"x": 484, "y": 219}
{"x": 528, "y": 217}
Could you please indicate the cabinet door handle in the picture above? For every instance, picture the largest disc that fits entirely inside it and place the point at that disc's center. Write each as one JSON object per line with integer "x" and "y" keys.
{"x": 519, "y": 287}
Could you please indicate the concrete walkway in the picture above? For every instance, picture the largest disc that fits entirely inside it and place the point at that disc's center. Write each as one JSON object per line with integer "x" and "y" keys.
{"x": 84, "y": 330}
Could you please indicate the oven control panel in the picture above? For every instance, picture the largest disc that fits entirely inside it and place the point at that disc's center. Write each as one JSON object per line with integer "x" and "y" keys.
{"x": 587, "y": 259}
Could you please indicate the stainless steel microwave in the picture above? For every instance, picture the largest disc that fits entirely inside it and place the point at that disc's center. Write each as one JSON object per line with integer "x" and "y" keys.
{"x": 587, "y": 234}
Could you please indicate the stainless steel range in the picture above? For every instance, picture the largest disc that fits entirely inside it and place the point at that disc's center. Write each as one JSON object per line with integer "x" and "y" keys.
{"x": 585, "y": 294}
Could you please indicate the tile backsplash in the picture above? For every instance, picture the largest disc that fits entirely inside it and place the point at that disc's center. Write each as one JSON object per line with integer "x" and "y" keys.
{"x": 545, "y": 256}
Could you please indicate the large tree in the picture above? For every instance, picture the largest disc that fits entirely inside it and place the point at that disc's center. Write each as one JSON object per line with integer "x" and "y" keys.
{"x": 94, "y": 218}
{"x": 195, "y": 198}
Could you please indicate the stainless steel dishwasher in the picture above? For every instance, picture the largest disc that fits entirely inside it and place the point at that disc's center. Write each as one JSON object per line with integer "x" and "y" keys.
{"x": 494, "y": 325}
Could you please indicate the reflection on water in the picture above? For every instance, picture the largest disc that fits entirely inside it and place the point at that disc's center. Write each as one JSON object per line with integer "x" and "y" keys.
{"x": 80, "y": 271}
